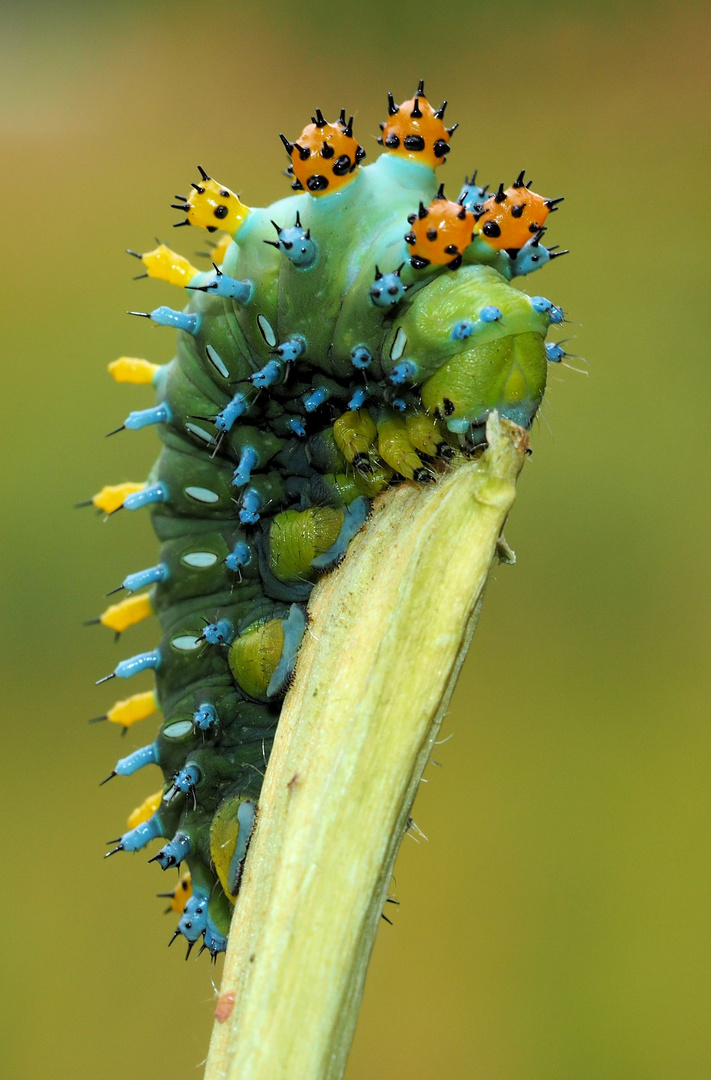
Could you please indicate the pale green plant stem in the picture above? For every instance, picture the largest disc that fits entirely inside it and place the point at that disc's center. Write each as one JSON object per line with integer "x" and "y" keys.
{"x": 387, "y": 636}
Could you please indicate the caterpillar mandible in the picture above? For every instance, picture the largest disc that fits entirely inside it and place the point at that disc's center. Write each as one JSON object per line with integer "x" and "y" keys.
{"x": 349, "y": 337}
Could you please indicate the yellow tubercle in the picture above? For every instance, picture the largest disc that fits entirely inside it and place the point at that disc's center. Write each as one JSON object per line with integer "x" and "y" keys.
{"x": 112, "y": 496}
{"x": 166, "y": 265}
{"x": 132, "y": 709}
{"x": 131, "y": 369}
{"x": 212, "y": 206}
{"x": 217, "y": 255}
{"x": 127, "y": 613}
{"x": 147, "y": 809}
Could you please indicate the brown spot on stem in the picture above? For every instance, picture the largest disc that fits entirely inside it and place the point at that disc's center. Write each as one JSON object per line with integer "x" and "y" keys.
{"x": 225, "y": 1005}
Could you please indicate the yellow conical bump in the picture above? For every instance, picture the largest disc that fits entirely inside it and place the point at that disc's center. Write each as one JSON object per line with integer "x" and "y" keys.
{"x": 396, "y": 449}
{"x": 212, "y": 206}
{"x": 132, "y": 370}
{"x": 111, "y": 497}
{"x": 181, "y": 894}
{"x": 217, "y": 255}
{"x": 147, "y": 809}
{"x": 166, "y": 265}
{"x": 127, "y": 613}
{"x": 355, "y": 432}
{"x": 132, "y": 709}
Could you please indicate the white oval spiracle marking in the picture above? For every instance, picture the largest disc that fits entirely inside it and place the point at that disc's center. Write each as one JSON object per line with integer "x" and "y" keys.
{"x": 185, "y": 642}
{"x": 217, "y": 362}
{"x": 178, "y": 729}
{"x": 200, "y": 559}
{"x": 199, "y": 432}
{"x": 202, "y": 495}
{"x": 398, "y": 344}
{"x": 267, "y": 330}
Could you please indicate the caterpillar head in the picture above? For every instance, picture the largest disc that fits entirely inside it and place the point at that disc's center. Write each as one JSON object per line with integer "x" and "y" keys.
{"x": 325, "y": 157}
{"x": 212, "y": 206}
{"x": 439, "y": 233}
{"x": 508, "y": 219}
{"x": 416, "y": 131}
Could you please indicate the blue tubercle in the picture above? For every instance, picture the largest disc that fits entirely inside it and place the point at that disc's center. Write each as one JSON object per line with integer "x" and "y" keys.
{"x": 248, "y": 460}
{"x": 360, "y": 396}
{"x": 361, "y": 357}
{"x": 291, "y": 350}
{"x": 229, "y": 287}
{"x": 466, "y": 327}
{"x": 165, "y": 316}
{"x": 149, "y": 576}
{"x": 137, "y": 838}
{"x": 471, "y": 194}
{"x": 297, "y": 426}
{"x": 140, "y": 418}
{"x": 215, "y": 942}
{"x": 135, "y": 664}
{"x": 271, "y": 373}
{"x": 237, "y": 407}
{"x": 251, "y": 505}
{"x": 205, "y": 717}
{"x": 193, "y": 921}
{"x": 146, "y": 755}
{"x": 187, "y": 778}
{"x": 554, "y": 353}
{"x": 547, "y": 307}
{"x": 221, "y": 632}
{"x": 532, "y": 256}
{"x": 173, "y": 853}
{"x": 316, "y": 398}
{"x": 387, "y": 289}
{"x": 458, "y": 427}
{"x": 463, "y": 329}
{"x": 296, "y": 244}
{"x": 239, "y": 556}
{"x": 154, "y": 493}
{"x": 404, "y": 372}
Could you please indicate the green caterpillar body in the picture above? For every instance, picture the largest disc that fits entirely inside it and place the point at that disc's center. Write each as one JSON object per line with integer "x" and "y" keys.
{"x": 331, "y": 354}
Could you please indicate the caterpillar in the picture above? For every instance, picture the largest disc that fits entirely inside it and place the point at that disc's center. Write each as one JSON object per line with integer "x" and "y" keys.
{"x": 349, "y": 337}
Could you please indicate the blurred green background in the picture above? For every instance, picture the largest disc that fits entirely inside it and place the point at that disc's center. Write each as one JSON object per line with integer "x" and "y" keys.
{"x": 556, "y": 924}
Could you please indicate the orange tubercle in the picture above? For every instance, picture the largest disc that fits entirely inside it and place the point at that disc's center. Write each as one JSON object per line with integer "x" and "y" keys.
{"x": 325, "y": 157}
{"x": 439, "y": 233}
{"x": 510, "y": 218}
{"x": 415, "y": 130}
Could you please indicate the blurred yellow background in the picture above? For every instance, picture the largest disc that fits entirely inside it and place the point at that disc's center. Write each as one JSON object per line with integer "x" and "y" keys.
{"x": 556, "y": 924}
